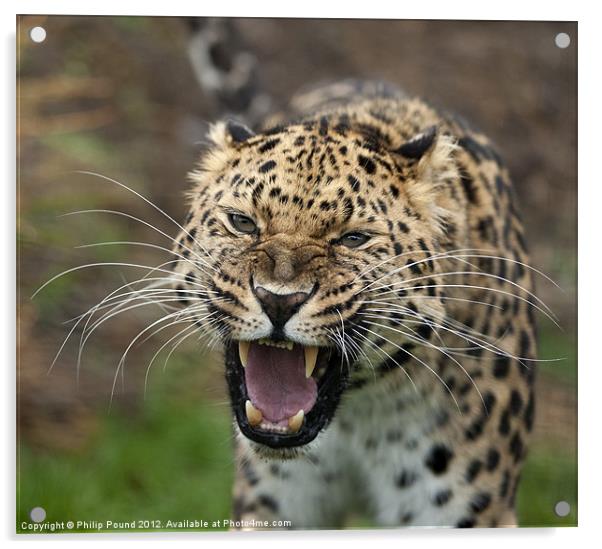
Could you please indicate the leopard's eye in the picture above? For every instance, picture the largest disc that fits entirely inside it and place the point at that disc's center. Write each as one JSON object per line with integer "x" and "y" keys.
{"x": 242, "y": 223}
{"x": 354, "y": 240}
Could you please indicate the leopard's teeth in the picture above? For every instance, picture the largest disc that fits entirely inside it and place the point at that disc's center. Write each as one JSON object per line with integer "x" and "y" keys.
{"x": 295, "y": 422}
{"x": 254, "y": 416}
{"x": 311, "y": 354}
{"x": 280, "y": 344}
{"x": 243, "y": 352}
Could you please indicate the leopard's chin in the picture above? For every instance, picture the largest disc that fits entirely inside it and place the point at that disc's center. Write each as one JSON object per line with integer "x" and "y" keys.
{"x": 282, "y": 393}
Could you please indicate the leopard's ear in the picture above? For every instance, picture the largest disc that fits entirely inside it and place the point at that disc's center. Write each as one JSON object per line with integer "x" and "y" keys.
{"x": 428, "y": 158}
{"x": 430, "y": 167}
{"x": 225, "y": 138}
{"x": 238, "y": 132}
{"x": 229, "y": 133}
{"x": 419, "y": 145}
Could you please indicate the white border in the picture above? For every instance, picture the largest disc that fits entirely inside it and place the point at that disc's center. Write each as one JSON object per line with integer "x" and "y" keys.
{"x": 435, "y": 9}
{"x": 589, "y": 219}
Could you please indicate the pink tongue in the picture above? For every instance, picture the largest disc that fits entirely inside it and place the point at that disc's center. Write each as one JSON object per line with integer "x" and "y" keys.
{"x": 276, "y": 382}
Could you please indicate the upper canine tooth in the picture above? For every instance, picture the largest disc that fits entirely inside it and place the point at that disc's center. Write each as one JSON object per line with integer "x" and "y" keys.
{"x": 253, "y": 414}
{"x": 295, "y": 422}
{"x": 243, "y": 352}
{"x": 311, "y": 354}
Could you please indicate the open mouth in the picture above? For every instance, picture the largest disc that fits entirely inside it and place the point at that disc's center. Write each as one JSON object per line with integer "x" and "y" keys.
{"x": 283, "y": 393}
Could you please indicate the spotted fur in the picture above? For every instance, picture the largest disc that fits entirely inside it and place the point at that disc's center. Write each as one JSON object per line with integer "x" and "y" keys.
{"x": 434, "y": 314}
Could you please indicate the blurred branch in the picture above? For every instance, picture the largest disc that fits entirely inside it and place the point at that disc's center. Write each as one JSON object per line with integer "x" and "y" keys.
{"x": 44, "y": 101}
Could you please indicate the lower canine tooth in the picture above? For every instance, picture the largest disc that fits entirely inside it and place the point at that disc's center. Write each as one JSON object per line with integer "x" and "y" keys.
{"x": 311, "y": 354}
{"x": 243, "y": 352}
{"x": 295, "y": 422}
{"x": 254, "y": 416}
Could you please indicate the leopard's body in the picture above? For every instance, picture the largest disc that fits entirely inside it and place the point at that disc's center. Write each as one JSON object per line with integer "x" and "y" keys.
{"x": 433, "y": 316}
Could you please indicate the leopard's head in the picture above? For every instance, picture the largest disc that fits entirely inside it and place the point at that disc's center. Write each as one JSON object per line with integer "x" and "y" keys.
{"x": 304, "y": 248}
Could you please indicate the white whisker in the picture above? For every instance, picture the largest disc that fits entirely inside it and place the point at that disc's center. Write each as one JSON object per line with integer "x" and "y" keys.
{"x": 166, "y": 215}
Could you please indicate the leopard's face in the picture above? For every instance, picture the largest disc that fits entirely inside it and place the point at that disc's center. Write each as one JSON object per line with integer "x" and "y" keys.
{"x": 301, "y": 245}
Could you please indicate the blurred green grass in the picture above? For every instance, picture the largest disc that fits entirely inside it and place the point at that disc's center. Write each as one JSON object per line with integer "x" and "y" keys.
{"x": 549, "y": 476}
{"x": 550, "y": 471}
{"x": 172, "y": 460}
{"x": 559, "y": 347}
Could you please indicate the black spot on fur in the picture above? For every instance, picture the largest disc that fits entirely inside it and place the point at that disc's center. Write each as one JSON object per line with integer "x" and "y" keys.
{"x": 353, "y": 183}
{"x": 405, "y": 479}
{"x": 424, "y": 331}
{"x": 366, "y": 163}
{"x": 465, "y": 388}
{"x": 411, "y": 444}
{"x": 394, "y": 436}
{"x": 516, "y": 447}
{"x": 191, "y": 234}
{"x": 371, "y": 443}
{"x": 267, "y": 166}
{"x": 442, "y": 497}
{"x": 282, "y": 129}
{"x": 249, "y": 473}
{"x": 493, "y": 459}
{"x": 475, "y": 429}
{"x": 469, "y": 188}
{"x": 268, "y": 502}
{"x": 182, "y": 293}
{"x": 488, "y": 402}
{"x": 406, "y": 518}
{"x": 465, "y": 523}
{"x": 439, "y": 458}
{"x": 516, "y": 402}
{"x": 505, "y": 484}
{"x": 500, "y": 186}
{"x": 504, "y": 427}
{"x": 475, "y": 149}
{"x": 413, "y": 266}
{"x": 275, "y": 469}
{"x": 442, "y": 418}
{"x": 403, "y": 227}
{"x": 501, "y": 366}
{"x": 525, "y": 344}
{"x": 480, "y": 502}
{"x": 394, "y": 362}
{"x": 474, "y": 468}
{"x": 269, "y": 145}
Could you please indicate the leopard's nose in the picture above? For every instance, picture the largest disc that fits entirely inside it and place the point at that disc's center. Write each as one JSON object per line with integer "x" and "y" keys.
{"x": 280, "y": 307}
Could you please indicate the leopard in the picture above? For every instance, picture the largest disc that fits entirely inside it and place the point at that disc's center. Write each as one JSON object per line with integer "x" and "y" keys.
{"x": 360, "y": 260}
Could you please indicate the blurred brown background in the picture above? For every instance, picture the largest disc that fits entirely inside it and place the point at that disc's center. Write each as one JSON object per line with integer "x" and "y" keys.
{"x": 117, "y": 96}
